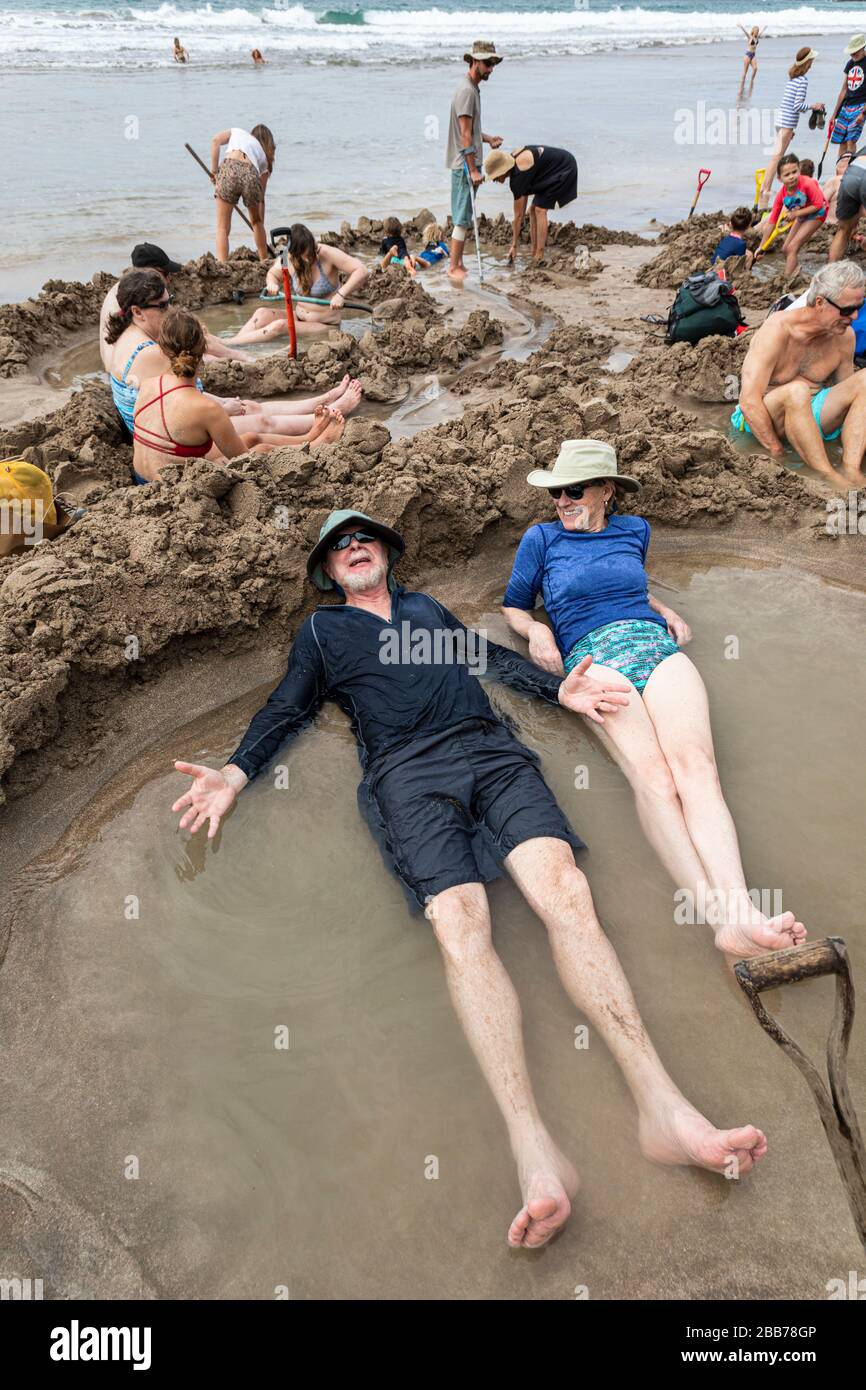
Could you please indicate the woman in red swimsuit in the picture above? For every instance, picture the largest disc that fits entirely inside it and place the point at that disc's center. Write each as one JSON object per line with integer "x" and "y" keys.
{"x": 173, "y": 420}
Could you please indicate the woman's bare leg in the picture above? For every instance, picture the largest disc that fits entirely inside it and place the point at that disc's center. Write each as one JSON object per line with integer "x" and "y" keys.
{"x": 223, "y": 223}
{"x": 675, "y": 699}
{"x": 540, "y": 232}
{"x": 783, "y": 140}
{"x": 630, "y": 738}
{"x": 256, "y": 216}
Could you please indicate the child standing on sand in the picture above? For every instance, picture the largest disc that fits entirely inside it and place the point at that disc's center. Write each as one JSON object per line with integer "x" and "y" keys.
{"x": 805, "y": 206}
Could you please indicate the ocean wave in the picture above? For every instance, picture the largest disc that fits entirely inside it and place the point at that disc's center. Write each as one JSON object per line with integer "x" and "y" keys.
{"x": 125, "y": 36}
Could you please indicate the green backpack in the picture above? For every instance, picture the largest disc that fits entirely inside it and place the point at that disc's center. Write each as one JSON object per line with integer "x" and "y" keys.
{"x": 705, "y": 305}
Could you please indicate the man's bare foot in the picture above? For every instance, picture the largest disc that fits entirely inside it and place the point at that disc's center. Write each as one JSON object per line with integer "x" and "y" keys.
{"x": 851, "y": 479}
{"x": 350, "y": 398}
{"x": 548, "y": 1182}
{"x": 754, "y": 938}
{"x": 457, "y": 272}
{"x": 676, "y": 1133}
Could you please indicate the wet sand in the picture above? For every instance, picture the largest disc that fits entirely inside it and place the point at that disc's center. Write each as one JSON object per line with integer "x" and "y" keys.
{"x": 162, "y": 1029}
{"x": 306, "y": 1166}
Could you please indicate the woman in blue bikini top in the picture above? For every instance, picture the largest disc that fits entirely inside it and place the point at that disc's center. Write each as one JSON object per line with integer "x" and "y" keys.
{"x": 589, "y": 566}
{"x": 143, "y": 298}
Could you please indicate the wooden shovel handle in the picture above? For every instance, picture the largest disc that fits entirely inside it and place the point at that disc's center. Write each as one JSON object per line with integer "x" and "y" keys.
{"x": 826, "y": 957}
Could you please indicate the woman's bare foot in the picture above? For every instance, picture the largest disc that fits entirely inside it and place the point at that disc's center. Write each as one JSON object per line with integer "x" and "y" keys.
{"x": 334, "y": 427}
{"x": 674, "y": 1132}
{"x": 740, "y": 940}
{"x": 321, "y": 423}
{"x": 350, "y": 399}
{"x": 548, "y": 1182}
{"x": 332, "y": 397}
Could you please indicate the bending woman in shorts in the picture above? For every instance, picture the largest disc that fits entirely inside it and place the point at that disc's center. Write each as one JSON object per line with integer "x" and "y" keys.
{"x": 173, "y": 421}
{"x": 241, "y": 163}
{"x": 589, "y": 565}
{"x": 541, "y": 172}
{"x": 315, "y": 271}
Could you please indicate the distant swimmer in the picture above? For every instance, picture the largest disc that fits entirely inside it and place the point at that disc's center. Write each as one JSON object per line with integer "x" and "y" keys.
{"x": 174, "y": 420}
{"x": 452, "y": 797}
{"x": 241, "y": 163}
{"x": 799, "y": 382}
{"x": 542, "y": 172}
{"x": 258, "y": 60}
{"x": 315, "y": 272}
{"x": 465, "y": 145}
{"x": 179, "y": 53}
{"x": 753, "y": 38}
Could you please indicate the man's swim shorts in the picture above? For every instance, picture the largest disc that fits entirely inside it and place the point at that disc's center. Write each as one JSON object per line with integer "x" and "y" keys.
{"x": 739, "y": 421}
{"x": 456, "y": 805}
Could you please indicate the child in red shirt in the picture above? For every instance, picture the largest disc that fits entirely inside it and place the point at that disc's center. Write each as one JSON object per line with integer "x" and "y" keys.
{"x": 804, "y": 205}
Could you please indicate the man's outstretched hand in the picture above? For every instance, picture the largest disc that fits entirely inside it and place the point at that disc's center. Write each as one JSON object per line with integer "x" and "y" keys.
{"x": 592, "y": 698}
{"x": 210, "y": 797}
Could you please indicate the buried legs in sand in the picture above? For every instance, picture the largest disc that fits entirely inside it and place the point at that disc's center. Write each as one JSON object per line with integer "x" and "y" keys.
{"x": 670, "y": 1129}
{"x": 664, "y": 744}
{"x": 328, "y": 426}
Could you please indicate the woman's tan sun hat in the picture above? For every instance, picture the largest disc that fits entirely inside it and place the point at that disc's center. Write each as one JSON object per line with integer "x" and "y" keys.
{"x": 499, "y": 162}
{"x": 582, "y": 461}
{"x": 483, "y": 52}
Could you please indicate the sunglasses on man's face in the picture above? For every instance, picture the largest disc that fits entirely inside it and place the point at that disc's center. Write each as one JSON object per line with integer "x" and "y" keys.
{"x": 848, "y": 311}
{"x": 575, "y": 491}
{"x": 362, "y": 537}
{"x": 158, "y": 303}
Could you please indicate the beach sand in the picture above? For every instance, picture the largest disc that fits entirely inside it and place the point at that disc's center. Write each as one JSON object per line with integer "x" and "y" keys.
{"x": 197, "y": 569}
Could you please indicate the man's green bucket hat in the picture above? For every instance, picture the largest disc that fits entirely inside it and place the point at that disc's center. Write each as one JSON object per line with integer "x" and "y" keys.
{"x": 337, "y": 521}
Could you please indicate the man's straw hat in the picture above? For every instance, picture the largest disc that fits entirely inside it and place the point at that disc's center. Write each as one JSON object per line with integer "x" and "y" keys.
{"x": 582, "y": 461}
{"x": 498, "y": 162}
{"x": 482, "y": 52}
{"x": 858, "y": 42}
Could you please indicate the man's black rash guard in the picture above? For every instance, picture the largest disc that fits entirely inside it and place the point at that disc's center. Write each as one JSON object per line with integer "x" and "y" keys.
{"x": 342, "y": 654}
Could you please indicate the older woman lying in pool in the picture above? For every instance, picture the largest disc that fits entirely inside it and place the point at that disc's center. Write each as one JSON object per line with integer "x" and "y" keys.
{"x": 589, "y": 566}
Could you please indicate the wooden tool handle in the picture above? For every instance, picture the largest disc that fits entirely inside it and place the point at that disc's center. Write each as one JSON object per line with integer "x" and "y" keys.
{"x": 825, "y": 957}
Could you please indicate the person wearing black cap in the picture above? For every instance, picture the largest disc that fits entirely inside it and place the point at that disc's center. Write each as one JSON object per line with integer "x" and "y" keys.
{"x": 450, "y": 794}
{"x": 146, "y": 256}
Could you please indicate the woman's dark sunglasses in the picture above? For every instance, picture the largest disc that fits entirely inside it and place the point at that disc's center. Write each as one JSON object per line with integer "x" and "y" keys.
{"x": 361, "y": 537}
{"x": 158, "y": 303}
{"x": 575, "y": 491}
{"x": 847, "y": 311}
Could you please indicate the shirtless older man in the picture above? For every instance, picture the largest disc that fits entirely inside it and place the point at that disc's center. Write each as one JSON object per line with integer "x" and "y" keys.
{"x": 799, "y": 380}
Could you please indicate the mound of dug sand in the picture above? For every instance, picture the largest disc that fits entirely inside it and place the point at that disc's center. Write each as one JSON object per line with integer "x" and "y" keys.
{"x": 706, "y": 371}
{"x": 66, "y": 306}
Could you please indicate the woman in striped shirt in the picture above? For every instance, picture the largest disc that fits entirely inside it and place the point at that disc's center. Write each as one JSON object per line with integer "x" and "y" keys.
{"x": 793, "y": 104}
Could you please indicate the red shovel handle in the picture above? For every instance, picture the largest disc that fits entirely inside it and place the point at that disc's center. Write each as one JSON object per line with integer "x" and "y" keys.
{"x": 703, "y": 175}
{"x": 290, "y": 314}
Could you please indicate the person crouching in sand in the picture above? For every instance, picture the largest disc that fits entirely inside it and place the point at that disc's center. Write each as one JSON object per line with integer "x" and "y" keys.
{"x": 799, "y": 382}
{"x": 450, "y": 793}
{"x": 315, "y": 271}
{"x": 173, "y": 420}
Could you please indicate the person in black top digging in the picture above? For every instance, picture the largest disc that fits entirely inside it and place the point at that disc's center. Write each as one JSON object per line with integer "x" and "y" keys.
{"x": 544, "y": 173}
{"x": 450, "y": 793}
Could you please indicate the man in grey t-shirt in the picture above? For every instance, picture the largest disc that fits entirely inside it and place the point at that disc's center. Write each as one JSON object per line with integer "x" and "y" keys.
{"x": 465, "y": 141}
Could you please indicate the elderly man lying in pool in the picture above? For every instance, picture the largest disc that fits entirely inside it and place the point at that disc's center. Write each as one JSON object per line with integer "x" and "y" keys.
{"x": 799, "y": 380}
{"x": 450, "y": 794}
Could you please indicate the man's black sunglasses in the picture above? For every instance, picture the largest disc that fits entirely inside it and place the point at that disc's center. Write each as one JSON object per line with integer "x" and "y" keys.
{"x": 363, "y": 537}
{"x": 575, "y": 491}
{"x": 847, "y": 311}
{"x": 158, "y": 303}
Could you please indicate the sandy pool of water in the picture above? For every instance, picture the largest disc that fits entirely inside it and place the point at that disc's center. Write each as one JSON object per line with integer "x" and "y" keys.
{"x": 152, "y": 1037}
